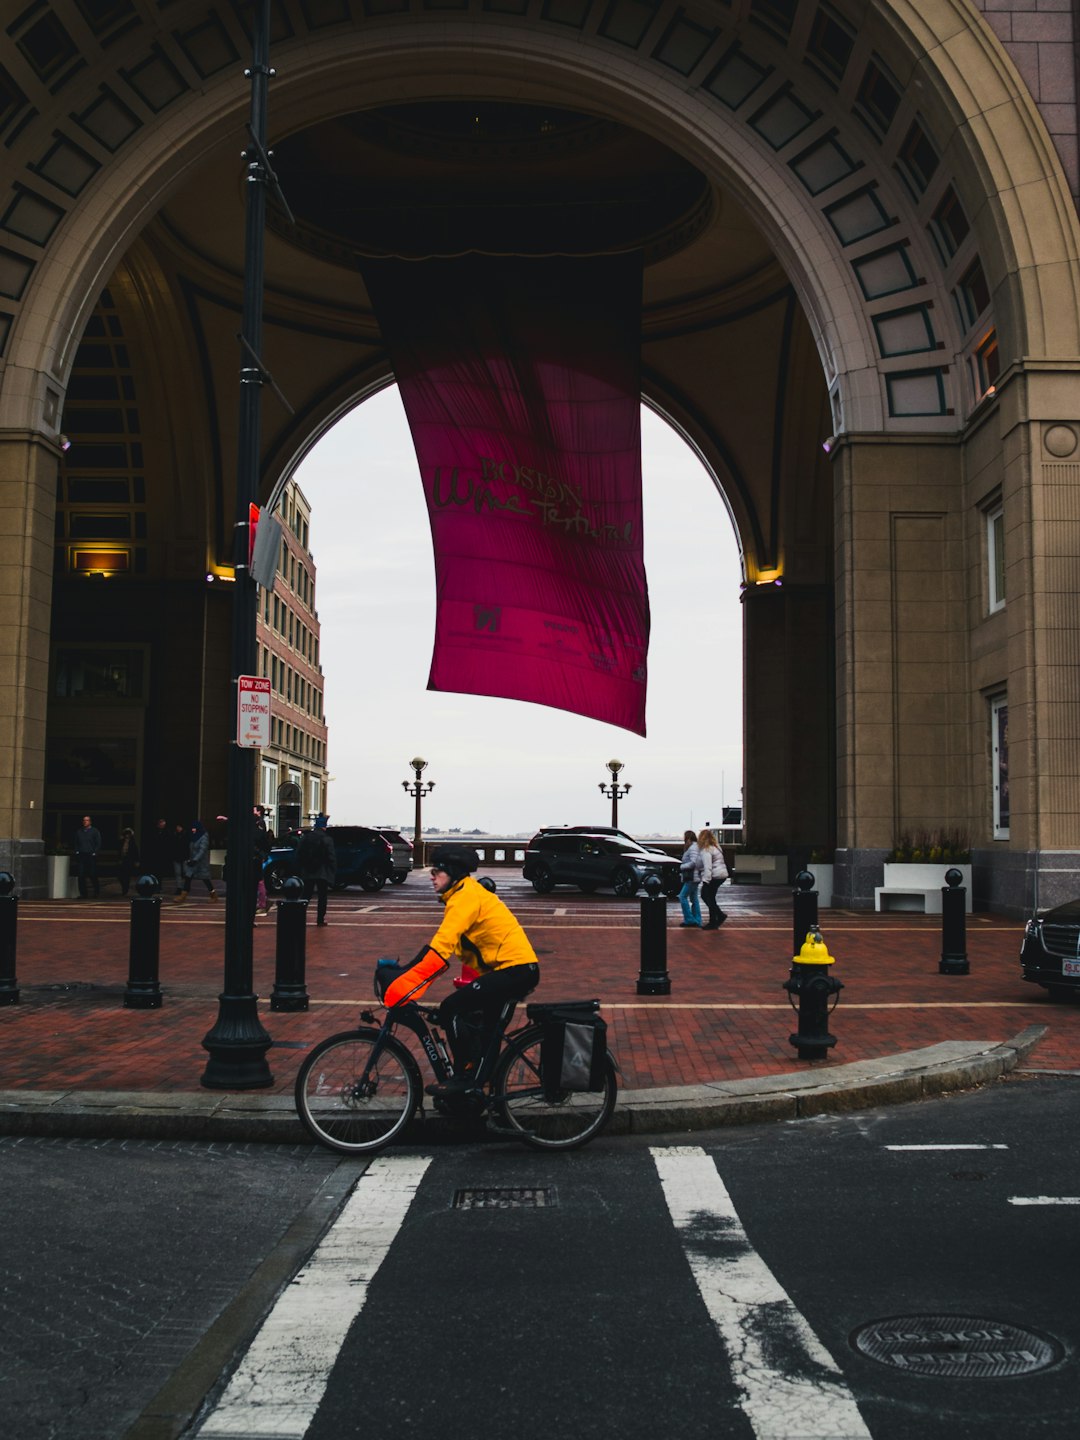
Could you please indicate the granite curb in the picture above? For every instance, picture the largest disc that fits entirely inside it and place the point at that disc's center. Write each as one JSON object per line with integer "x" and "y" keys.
{"x": 253, "y": 1116}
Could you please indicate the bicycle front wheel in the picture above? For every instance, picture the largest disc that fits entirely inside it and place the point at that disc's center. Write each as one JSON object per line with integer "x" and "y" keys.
{"x": 544, "y": 1118}
{"x": 356, "y": 1092}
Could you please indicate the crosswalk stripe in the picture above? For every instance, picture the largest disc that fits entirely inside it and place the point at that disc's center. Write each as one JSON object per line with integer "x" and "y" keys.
{"x": 1044, "y": 1199}
{"x": 755, "y": 1319}
{"x": 280, "y": 1381}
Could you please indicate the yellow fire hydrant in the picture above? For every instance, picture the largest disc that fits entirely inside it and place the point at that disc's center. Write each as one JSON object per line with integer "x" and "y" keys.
{"x": 811, "y": 982}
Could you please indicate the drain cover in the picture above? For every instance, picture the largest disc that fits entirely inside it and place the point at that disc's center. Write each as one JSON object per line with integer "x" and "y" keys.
{"x": 530, "y": 1198}
{"x": 957, "y": 1346}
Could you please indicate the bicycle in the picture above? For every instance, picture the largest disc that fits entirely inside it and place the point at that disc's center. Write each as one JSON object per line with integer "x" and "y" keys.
{"x": 356, "y": 1092}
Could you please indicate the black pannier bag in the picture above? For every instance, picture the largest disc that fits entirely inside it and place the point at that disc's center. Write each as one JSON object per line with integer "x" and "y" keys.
{"x": 573, "y": 1049}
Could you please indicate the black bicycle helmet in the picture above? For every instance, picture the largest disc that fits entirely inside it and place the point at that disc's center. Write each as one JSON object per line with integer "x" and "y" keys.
{"x": 457, "y": 860}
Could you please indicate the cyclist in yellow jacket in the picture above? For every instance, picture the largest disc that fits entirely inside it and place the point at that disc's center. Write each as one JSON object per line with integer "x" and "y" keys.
{"x": 481, "y": 931}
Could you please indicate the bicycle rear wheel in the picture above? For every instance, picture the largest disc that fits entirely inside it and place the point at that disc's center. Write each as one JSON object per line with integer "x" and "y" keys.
{"x": 352, "y": 1102}
{"x": 544, "y": 1118}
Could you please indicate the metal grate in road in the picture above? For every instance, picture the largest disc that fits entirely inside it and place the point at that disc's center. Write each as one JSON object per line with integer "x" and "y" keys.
{"x": 531, "y": 1197}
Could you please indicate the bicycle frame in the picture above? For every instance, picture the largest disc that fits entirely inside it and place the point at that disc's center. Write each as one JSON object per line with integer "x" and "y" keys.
{"x": 415, "y": 1018}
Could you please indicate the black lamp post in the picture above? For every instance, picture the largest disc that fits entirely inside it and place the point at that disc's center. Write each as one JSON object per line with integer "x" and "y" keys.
{"x": 237, "y": 1043}
{"x": 615, "y": 790}
{"x": 418, "y": 789}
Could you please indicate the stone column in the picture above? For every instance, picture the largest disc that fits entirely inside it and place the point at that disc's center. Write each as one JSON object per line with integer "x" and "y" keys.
{"x": 28, "y": 465}
{"x": 789, "y": 720}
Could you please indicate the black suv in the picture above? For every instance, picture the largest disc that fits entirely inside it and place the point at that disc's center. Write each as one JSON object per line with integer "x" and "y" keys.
{"x": 364, "y": 858}
{"x": 1050, "y": 954}
{"x": 595, "y": 858}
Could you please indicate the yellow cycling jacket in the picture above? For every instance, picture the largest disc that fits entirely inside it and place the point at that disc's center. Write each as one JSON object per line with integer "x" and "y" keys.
{"x": 480, "y": 930}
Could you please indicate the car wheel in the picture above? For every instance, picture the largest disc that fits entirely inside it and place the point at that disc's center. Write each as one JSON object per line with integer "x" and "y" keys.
{"x": 400, "y": 876}
{"x": 543, "y": 880}
{"x": 371, "y": 879}
{"x": 624, "y": 882}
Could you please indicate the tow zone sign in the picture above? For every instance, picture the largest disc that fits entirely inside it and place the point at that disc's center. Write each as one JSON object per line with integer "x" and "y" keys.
{"x": 252, "y": 712}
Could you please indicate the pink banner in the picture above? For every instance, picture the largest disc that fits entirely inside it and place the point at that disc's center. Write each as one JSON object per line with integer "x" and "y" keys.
{"x": 521, "y": 382}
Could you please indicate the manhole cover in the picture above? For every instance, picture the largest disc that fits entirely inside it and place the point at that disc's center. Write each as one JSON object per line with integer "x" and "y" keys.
{"x": 957, "y": 1346}
{"x": 529, "y": 1198}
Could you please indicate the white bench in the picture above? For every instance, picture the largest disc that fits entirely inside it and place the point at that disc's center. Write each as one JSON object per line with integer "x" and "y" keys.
{"x": 917, "y": 888}
{"x": 896, "y": 897}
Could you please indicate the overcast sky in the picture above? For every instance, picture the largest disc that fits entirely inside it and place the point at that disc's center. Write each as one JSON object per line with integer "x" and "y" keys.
{"x": 505, "y": 766}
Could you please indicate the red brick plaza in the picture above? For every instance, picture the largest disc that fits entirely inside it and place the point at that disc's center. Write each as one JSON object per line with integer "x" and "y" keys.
{"x": 726, "y": 1018}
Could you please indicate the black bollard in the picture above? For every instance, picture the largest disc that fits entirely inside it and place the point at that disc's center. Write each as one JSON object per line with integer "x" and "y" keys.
{"x": 653, "y": 978}
{"x": 290, "y": 992}
{"x": 954, "y": 960}
{"x": 142, "y": 991}
{"x": 805, "y": 908}
{"x": 9, "y": 925}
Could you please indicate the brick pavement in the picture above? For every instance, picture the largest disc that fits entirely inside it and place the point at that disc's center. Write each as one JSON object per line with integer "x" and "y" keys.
{"x": 726, "y": 1018}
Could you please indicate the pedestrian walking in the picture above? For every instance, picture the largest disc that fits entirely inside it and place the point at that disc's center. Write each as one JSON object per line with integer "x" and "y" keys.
{"x": 714, "y": 872}
{"x": 690, "y": 870}
{"x": 197, "y": 864}
{"x": 129, "y": 858}
{"x": 316, "y": 859}
{"x": 157, "y": 853}
{"x": 260, "y": 855}
{"x": 86, "y": 845}
{"x": 181, "y": 844}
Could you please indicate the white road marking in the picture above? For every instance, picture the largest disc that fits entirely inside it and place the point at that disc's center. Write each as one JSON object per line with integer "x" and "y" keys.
{"x": 1044, "y": 1199}
{"x": 945, "y": 1147}
{"x": 788, "y": 1383}
{"x": 279, "y": 1383}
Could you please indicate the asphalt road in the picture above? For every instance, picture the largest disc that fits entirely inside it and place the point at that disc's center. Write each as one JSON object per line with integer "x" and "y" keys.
{"x": 711, "y": 1288}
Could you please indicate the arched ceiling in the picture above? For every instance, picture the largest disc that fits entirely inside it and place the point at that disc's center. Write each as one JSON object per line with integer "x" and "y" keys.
{"x": 854, "y": 146}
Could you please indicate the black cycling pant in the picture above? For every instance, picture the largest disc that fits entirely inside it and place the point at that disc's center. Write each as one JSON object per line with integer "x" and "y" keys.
{"x": 470, "y": 1015}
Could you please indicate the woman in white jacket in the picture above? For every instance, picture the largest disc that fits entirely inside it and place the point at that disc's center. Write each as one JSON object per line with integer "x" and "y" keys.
{"x": 713, "y": 874}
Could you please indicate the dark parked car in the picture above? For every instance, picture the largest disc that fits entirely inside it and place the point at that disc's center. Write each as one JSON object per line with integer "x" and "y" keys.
{"x": 595, "y": 859}
{"x": 402, "y": 852}
{"x": 1050, "y": 954}
{"x": 364, "y": 858}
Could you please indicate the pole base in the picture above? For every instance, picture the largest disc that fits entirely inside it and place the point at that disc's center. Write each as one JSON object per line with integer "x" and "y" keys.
{"x": 954, "y": 965}
{"x": 147, "y": 998}
{"x": 9, "y": 997}
{"x": 237, "y": 1046}
{"x": 654, "y": 983}
{"x": 284, "y": 999}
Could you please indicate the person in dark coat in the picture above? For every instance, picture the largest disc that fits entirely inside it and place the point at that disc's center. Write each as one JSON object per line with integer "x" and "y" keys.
{"x": 129, "y": 858}
{"x": 181, "y": 843}
{"x": 86, "y": 846}
{"x": 197, "y": 864}
{"x": 158, "y": 854}
{"x": 316, "y": 859}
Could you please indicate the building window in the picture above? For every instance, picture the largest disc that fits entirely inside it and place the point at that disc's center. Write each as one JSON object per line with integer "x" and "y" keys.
{"x": 987, "y": 364}
{"x": 995, "y": 558}
{"x": 999, "y": 762}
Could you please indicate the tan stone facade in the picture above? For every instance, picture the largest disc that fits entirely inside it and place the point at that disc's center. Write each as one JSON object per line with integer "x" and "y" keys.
{"x": 860, "y": 231}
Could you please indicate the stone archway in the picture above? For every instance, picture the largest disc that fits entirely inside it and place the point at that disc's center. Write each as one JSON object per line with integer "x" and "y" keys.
{"x": 888, "y": 168}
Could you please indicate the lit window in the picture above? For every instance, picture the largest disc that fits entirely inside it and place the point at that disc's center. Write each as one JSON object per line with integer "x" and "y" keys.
{"x": 999, "y": 762}
{"x": 995, "y": 558}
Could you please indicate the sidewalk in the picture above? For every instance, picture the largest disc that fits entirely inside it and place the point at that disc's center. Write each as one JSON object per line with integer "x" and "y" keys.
{"x": 714, "y": 1051}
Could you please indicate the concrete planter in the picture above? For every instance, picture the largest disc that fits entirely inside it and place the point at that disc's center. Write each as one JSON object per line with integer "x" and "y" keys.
{"x": 823, "y": 882}
{"x": 760, "y": 869}
{"x": 911, "y": 886}
{"x": 57, "y": 876}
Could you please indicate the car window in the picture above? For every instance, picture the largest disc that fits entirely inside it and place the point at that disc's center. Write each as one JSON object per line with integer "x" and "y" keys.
{"x": 559, "y": 844}
{"x": 592, "y": 847}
